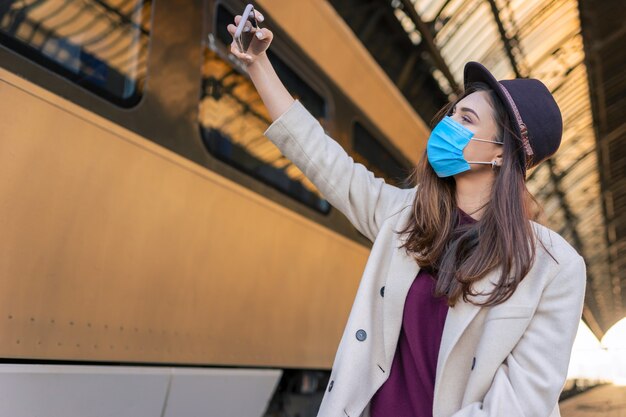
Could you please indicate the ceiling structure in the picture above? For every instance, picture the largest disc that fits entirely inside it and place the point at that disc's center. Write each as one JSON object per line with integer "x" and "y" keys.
{"x": 604, "y": 35}
{"x": 423, "y": 46}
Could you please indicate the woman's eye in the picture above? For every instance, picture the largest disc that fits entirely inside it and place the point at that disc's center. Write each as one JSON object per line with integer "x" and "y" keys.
{"x": 467, "y": 119}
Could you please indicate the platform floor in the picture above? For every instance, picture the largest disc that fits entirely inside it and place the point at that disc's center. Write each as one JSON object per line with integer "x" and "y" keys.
{"x": 605, "y": 401}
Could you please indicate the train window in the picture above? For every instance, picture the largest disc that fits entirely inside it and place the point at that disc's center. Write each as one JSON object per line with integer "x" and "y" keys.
{"x": 371, "y": 153}
{"x": 233, "y": 118}
{"x": 101, "y": 45}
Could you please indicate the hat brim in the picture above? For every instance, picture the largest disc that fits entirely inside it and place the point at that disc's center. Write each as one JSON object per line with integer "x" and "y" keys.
{"x": 476, "y": 72}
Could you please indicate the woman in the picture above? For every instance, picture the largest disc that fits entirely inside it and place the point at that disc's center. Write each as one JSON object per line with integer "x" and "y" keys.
{"x": 466, "y": 306}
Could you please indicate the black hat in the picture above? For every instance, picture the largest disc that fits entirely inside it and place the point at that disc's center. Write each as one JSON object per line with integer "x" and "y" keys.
{"x": 531, "y": 107}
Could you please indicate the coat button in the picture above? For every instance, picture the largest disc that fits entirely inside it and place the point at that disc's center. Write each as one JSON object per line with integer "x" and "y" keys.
{"x": 473, "y": 362}
{"x": 382, "y": 291}
{"x": 361, "y": 335}
{"x": 330, "y": 386}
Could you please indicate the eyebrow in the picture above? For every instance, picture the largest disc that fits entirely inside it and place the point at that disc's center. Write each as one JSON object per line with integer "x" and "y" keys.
{"x": 471, "y": 111}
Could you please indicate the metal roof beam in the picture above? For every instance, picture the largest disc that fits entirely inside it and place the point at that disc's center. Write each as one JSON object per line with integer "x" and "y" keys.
{"x": 427, "y": 36}
{"x": 505, "y": 39}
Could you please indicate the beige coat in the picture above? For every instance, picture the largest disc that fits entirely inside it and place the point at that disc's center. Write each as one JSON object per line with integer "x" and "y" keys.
{"x": 509, "y": 360}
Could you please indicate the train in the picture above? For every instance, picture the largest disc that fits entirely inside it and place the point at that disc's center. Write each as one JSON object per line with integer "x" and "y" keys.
{"x": 160, "y": 257}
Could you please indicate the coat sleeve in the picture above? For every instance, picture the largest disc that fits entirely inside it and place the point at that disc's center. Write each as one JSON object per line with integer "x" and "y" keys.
{"x": 364, "y": 199}
{"x": 529, "y": 381}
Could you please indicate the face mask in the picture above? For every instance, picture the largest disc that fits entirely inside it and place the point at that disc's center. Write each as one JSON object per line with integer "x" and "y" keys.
{"x": 445, "y": 147}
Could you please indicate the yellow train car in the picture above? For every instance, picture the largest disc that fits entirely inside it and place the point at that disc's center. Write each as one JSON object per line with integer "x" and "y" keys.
{"x": 159, "y": 256}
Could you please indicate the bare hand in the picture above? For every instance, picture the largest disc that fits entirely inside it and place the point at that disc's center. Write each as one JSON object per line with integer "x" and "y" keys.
{"x": 260, "y": 41}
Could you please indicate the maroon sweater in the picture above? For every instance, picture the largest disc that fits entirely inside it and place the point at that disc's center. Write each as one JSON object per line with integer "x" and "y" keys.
{"x": 409, "y": 390}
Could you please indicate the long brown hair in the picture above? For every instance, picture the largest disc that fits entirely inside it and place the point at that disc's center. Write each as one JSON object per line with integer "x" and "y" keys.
{"x": 463, "y": 254}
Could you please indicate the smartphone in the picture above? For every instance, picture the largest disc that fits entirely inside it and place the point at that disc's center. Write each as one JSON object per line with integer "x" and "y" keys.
{"x": 246, "y": 29}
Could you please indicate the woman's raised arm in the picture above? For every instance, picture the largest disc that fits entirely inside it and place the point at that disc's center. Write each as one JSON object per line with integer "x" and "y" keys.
{"x": 366, "y": 200}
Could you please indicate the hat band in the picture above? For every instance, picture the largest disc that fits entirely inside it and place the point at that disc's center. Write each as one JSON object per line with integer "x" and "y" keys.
{"x": 522, "y": 125}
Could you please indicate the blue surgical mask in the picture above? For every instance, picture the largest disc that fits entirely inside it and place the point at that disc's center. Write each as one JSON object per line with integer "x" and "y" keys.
{"x": 445, "y": 147}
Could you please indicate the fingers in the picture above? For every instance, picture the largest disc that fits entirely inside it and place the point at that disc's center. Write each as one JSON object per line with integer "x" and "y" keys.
{"x": 265, "y": 35}
{"x": 257, "y": 46}
{"x": 232, "y": 28}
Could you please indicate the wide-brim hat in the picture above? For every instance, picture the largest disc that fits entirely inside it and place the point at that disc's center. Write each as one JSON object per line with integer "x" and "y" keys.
{"x": 533, "y": 111}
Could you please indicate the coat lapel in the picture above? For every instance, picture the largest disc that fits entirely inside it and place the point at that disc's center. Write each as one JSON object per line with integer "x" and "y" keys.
{"x": 402, "y": 271}
{"x": 458, "y": 319}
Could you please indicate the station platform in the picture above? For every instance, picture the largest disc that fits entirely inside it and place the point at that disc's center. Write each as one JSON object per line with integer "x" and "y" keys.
{"x": 605, "y": 401}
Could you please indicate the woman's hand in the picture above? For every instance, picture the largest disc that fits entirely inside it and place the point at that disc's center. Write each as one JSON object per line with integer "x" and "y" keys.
{"x": 259, "y": 44}
{"x": 271, "y": 90}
